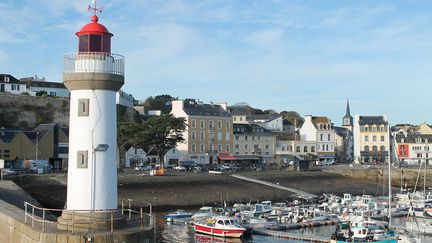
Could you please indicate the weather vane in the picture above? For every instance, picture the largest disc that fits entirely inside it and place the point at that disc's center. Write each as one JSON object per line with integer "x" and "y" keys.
{"x": 94, "y": 8}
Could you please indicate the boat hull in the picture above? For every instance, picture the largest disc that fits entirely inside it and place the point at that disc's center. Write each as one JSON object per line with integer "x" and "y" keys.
{"x": 221, "y": 232}
{"x": 373, "y": 241}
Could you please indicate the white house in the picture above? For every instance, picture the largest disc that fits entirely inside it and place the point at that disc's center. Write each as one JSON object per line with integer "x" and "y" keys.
{"x": 319, "y": 130}
{"x": 124, "y": 99}
{"x": 135, "y": 157}
{"x": 10, "y": 84}
{"x": 173, "y": 157}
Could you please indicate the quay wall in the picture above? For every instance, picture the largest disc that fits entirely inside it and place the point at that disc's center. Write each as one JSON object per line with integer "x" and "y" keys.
{"x": 380, "y": 175}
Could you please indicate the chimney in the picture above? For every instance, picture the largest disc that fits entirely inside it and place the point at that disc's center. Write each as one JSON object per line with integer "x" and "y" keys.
{"x": 224, "y": 105}
{"x": 177, "y": 105}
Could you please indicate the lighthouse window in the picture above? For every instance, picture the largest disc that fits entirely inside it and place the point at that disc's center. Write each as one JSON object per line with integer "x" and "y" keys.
{"x": 84, "y": 43}
{"x": 83, "y": 107}
{"x": 106, "y": 44}
{"x": 82, "y": 160}
{"x": 95, "y": 43}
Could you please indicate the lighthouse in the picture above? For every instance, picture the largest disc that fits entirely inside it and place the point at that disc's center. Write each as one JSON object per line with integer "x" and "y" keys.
{"x": 93, "y": 75}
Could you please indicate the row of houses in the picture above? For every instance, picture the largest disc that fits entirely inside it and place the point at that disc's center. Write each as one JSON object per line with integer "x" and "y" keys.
{"x": 35, "y": 85}
{"x": 215, "y": 134}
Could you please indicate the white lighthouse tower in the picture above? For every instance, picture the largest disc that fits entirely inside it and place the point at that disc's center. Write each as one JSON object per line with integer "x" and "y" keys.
{"x": 93, "y": 75}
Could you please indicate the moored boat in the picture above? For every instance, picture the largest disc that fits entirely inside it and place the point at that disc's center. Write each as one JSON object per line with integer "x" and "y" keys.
{"x": 179, "y": 214}
{"x": 220, "y": 226}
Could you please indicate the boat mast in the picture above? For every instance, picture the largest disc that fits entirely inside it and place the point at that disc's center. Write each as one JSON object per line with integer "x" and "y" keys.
{"x": 389, "y": 192}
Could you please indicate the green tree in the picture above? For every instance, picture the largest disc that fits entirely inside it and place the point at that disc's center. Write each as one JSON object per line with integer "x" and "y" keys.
{"x": 162, "y": 133}
{"x": 159, "y": 102}
{"x": 41, "y": 93}
{"x": 293, "y": 117}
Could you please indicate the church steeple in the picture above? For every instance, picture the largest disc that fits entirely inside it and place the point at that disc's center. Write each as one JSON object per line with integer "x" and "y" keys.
{"x": 347, "y": 119}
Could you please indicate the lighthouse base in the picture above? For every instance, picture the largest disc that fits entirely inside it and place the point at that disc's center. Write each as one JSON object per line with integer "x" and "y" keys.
{"x": 85, "y": 221}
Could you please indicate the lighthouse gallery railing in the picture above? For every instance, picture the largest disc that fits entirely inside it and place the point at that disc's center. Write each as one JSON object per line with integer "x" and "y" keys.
{"x": 99, "y": 62}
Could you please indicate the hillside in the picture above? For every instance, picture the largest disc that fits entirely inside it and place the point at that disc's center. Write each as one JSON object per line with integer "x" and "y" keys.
{"x": 26, "y": 112}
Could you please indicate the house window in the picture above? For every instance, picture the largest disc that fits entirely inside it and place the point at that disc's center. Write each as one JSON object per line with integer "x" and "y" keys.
{"x": 53, "y": 93}
{"x": 193, "y": 124}
{"x": 321, "y": 137}
{"x": 246, "y": 146}
{"x": 193, "y": 147}
{"x": 219, "y": 124}
{"x": 236, "y": 138}
{"x": 227, "y": 147}
{"x": 246, "y": 138}
{"x": 305, "y": 149}
{"x": 328, "y": 137}
{"x": 366, "y": 138}
{"x": 202, "y": 147}
{"x": 382, "y": 139}
{"x": 267, "y": 146}
{"x": 202, "y": 124}
{"x": 313, "y": 149}
{"x": 13, "y": 86}
{"x": 82, "y": 159}
{"x": 237, "y": 146}
{"x": 219, "y": 147}
{"x": 210, "y": 124}
{"x": 374, "y": 138}
{"x": 211, "y": 147}
{"x": 228, "y": 125}
{"x": 327, "y": 147}
{"x": 83, "y": 107}
{"x": 202, "y": 136}
{"x": 298, "y": 149}
{"x": 366, "y": 128}
{"x": 18, "y": 86}
{"x": 193, "y": 136}
{"x": 6, "y": 79}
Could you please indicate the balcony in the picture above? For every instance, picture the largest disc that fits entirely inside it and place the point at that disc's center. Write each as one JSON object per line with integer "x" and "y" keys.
{"x": 93, "y": 62}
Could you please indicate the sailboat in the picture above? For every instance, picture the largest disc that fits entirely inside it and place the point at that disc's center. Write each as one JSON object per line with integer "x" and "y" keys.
{"x": 421, "y": 206}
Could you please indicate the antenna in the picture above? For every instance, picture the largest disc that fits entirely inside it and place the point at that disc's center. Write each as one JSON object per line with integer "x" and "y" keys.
{"x": 94, "y": 8}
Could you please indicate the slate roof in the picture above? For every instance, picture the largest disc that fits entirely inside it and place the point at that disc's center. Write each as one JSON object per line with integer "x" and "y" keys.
{"x": 372, "y": 120}
{"x": 342, "y": 131}
{"x": 195, "y": 109}
{"x": 266, "y": 117}
{"x": 250, "y": 129}
{"x": 7, "y": 135}
{"x": 45, "y": 84}
{"x": 12, "y": 79}
{"x": 411, "y": 138}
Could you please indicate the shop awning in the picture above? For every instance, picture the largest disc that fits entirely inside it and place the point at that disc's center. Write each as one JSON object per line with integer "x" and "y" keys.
{"x": 226, "y": 157}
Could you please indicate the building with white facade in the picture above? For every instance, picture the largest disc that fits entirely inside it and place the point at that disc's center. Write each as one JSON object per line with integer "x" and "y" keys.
{"x": 209, "y": 133}
{"x": 10, "y": 84}
{"x": 412, "y": 148}
{"x": 371, "y": 139}
{"x": 135, "y": 157}
{"x": 319, "y": 130}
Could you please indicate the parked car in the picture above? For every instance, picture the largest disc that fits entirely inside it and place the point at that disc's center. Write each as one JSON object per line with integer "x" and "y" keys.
{"x": 196, "y": 169}
{"x": 179, "y": 168}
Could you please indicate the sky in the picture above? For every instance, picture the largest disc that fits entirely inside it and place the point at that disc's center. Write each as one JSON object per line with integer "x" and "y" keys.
{"x": 307, "y": 56}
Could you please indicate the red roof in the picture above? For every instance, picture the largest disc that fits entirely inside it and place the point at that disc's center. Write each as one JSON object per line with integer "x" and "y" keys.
{"x": 94, "y": 28}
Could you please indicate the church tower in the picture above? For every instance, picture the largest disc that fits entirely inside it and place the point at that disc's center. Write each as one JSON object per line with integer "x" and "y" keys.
{"x": 347, "y": 119}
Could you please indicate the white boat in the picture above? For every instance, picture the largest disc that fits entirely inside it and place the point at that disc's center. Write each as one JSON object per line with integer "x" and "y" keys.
{"x": 203, "y": 213}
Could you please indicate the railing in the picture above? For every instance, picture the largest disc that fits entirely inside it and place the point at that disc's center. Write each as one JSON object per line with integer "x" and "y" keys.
{"x": 31, "y": 211}
{"x": 86, "y": 62}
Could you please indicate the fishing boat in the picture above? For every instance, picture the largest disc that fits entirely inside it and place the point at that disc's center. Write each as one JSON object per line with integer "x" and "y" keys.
{"x": 179, "y": 214}
{"x": 220, "y": 226}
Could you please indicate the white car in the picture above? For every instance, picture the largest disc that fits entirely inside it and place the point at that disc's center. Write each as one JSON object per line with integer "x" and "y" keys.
{"x": 179, "y": 168}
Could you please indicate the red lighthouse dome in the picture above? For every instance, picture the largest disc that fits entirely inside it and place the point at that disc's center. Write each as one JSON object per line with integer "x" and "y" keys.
{"x": 94, "y": 37}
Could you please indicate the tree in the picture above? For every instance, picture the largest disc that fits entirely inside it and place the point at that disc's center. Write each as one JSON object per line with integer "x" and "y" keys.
{"x": 293, "y": 117}
{"x": 41, "y": 93}
{"x": 162, "y": 133}
{"x": 159, "y": 102}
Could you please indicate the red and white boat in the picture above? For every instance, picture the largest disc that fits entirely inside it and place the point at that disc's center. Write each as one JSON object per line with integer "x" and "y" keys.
{"x": 220, "y": 226}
